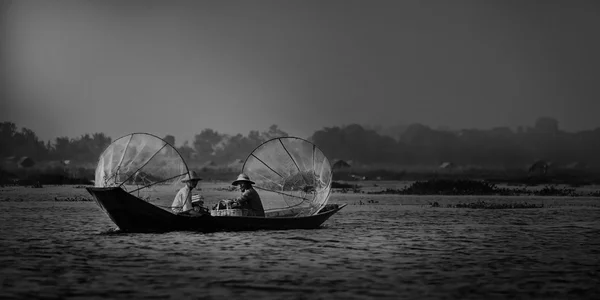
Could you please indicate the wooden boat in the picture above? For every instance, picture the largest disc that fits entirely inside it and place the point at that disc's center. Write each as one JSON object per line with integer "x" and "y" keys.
{"x": 132, "y": 214}
{"x": 138, "y": 175}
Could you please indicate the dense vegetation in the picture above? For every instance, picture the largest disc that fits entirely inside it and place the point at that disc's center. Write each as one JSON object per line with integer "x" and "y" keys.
{"x": 477, "y": 187}
{"x": 419, "y": 145}
{"x": 410, "y": 153}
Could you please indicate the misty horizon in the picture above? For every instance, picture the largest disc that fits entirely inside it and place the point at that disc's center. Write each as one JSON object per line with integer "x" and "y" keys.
{"x": 401, "y": 146}
{"x": 177, "y": 67}
{"x": 391, "y": 130}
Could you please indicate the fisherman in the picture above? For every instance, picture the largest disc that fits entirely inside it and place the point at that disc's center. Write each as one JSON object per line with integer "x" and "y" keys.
{"x": 250, "y": 199}
{"x": 183, "y": 200}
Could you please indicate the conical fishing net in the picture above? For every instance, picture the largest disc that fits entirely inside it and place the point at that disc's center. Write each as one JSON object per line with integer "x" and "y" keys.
{"x": 292, "y": 176}
{"x": 143, "y": 165}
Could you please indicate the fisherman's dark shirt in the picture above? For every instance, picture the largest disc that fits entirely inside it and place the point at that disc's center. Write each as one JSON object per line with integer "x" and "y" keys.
{"x": 251, "y": 200}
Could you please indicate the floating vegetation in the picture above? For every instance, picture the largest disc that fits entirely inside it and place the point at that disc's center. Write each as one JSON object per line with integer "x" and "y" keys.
{"x": 73, "y": 199}
{"x": 360, "y": 202}
{"x": 594, "y": 194}
{"x": 488, "y": 205}
{"x": 553, "y": 191}
{"x": 445, "y": 187}
{"x": 346, "y": 187}
{"x": 340, "y": 185}
{"x": 354, "y": 190}
{"x": 452, "y": 187}
{"x": 81, "y": 186}
{"x": 389, "y": 191}
{"x": 475, "y": 187}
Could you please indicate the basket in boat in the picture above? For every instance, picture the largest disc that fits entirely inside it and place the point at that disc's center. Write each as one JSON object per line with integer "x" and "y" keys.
{"x": 236, "y": 212}
{"x": 228, "y": 211}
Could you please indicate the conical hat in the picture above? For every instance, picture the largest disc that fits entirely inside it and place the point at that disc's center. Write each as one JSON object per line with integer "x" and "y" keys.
{"x": 192, "y": 176}
{"x": 242, "y": 178}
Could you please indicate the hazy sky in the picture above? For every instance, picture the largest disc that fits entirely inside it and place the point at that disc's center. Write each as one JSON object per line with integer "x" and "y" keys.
{"x": 170, "y": 67}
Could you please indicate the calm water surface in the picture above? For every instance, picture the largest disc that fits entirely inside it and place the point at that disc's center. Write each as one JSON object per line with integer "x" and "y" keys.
{"x": 66, "y": 249}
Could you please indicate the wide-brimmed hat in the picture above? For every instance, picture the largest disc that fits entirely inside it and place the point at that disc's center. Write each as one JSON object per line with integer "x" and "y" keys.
{"x": 192, "y": 176}
{"x": 242, "y": 178}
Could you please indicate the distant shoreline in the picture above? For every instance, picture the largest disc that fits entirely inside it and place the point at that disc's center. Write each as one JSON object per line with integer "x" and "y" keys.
{"x": 574, "y": 178}
{"x": 433, "y": 187}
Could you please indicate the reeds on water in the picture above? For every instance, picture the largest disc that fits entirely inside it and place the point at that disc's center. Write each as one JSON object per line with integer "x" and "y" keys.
{"x": 480, "y": 204}
{"x": 73, "y": 199}
{"x": 476, "y": 187}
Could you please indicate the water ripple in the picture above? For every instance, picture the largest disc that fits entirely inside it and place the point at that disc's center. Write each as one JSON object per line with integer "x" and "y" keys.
{"x": 69, "y": 250}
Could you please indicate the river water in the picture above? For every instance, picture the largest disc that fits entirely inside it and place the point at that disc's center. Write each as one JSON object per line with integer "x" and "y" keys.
{"x": 54, "y": 249}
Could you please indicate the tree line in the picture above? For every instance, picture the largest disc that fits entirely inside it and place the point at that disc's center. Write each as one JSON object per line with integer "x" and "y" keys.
{"x": 420, "y": 145}
{"x": 207, "y": 146}
{"x": 24, "y": 142}
{"x": 414, "y": 145}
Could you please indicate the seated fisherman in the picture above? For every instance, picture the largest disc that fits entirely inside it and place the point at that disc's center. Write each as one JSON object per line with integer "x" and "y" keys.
{"x": 183, "y": 199}
{"x": 250, "y": 199}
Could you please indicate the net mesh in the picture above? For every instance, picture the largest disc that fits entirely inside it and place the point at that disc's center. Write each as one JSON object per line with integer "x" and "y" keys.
{"x": 143, "y": 165}
{"x": 292, "y": 176}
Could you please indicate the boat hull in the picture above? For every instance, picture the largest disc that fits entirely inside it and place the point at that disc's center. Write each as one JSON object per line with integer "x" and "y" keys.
{"x": 132, "y": 214}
